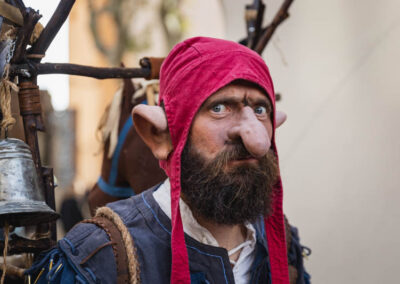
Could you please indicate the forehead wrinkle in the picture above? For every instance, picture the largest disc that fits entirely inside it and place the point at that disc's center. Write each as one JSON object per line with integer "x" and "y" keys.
{"x": 239, "y": 94}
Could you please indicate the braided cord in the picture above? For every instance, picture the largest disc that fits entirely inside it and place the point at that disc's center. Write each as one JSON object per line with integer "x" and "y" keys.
{"x": 133, "y": 265}
{"x": 5, "y": 99}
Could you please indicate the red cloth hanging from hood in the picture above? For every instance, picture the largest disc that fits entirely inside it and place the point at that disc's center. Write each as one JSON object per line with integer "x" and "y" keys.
{"x": 192, "y": 72}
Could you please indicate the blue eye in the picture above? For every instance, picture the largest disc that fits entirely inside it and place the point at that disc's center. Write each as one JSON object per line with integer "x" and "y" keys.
{"x": 218, "y": 108}
{"x": 260, "y": 110}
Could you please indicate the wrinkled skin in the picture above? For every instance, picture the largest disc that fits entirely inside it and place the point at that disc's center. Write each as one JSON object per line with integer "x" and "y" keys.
{"x": 234, "y": 113}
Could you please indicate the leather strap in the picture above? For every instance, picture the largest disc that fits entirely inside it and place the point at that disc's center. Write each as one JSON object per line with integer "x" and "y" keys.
{"x": 117, "y": 244}
{"x": 154, "y": 63}
{"x": 11, "y": 13}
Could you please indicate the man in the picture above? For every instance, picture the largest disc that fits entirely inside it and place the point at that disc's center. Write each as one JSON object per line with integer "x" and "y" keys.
{"x": 213, "y": 133}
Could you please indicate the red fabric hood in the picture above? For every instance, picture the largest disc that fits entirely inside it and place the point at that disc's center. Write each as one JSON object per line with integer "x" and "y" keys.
{"x": 193, "y": 71}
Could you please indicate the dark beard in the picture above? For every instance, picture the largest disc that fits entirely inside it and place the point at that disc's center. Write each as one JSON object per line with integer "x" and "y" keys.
{"x": 231, "y": 197}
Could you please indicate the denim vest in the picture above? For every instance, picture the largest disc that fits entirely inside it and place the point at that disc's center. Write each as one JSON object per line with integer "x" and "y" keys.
{"x": 151, "y": 232}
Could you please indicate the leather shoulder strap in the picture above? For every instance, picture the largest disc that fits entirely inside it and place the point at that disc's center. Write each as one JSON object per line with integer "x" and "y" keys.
{"x": 117, "y": 244}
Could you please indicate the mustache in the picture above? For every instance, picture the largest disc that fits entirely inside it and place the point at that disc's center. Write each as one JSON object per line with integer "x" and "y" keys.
{"x": 235, "y": 151}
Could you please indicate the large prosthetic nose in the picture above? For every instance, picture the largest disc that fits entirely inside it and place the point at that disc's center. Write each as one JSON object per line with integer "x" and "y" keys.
{"x": 252, "y": 132}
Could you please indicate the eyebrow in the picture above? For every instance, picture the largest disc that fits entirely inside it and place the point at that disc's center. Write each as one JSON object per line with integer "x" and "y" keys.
{"x": 263, "y": 102}
{"x": 233, "y": 100}
{"x": 223, "y": 100}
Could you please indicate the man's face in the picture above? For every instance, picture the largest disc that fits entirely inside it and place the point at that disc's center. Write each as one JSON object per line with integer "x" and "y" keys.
{"x": 221, "y": 180}
{"x": 230, "y": 115}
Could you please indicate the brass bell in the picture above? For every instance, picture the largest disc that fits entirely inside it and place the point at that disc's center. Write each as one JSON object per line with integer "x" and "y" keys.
{"x": 21, "y": 198}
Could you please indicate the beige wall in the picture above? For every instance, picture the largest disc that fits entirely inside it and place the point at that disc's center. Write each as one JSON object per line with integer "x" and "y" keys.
{"x": 336, "y": 64}
{"x": 340, "y": 148}
{"x": 89, "y": 97}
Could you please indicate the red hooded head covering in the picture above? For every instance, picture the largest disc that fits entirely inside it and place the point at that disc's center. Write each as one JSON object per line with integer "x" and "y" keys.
{"x": 192, "y": 72}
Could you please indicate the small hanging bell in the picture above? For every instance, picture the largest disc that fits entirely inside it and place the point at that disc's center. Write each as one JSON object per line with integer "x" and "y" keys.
{"x": 21, "y": 198}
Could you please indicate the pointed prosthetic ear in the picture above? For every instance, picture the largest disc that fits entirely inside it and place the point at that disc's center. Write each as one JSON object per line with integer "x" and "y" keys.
{"x": 151, "y": 124}
{"x": 280, "y": 118}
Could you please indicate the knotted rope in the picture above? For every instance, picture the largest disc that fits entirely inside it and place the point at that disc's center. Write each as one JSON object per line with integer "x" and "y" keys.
{"x": 6, "y": 231}
{"x": 133, "y": 265}
{"x": 8, "y": 36}
{"x": 5, "y": 99}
